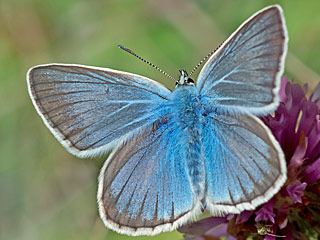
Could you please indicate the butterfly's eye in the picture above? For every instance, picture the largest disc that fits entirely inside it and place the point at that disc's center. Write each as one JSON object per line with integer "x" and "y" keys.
{"x": 184, "y": 78}
{"x": 189, "y": 81}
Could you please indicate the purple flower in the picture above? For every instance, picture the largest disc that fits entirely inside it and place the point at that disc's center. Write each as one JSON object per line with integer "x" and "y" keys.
{"x": 295, "y": 191}
{"x": 312, "y": 172}
{"x": 219, "y": 231}
{"x": 243, "y": 217}
{"x": 201, "y": 227}
{"x": 284, "y": 224}
{"x": 266, "y": 212}
{"x": 296, "y": 121}
{"x": 296, "y": 125}
{"x": 282, "y": 91}
{"x": 298, "y": 157}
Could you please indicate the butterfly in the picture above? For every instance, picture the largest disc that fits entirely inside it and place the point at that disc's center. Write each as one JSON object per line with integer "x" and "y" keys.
{"x": 175, "y": 153}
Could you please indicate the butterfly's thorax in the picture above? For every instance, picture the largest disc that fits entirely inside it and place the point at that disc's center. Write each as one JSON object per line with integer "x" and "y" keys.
{"x": 187, "y": 114}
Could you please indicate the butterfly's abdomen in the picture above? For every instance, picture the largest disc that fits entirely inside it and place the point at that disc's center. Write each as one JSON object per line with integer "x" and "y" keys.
{"x": 187, "y": 128}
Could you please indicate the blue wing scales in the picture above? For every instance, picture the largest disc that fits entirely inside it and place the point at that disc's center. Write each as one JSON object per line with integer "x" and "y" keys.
{"x": 88, "y": 109}
{"x": 244, "y": 74}
{"x": 244, "y": 163}
{"x": 144, "y": 188}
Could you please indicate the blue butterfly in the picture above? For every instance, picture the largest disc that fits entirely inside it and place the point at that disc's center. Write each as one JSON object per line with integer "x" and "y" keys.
{"x": 175, "y": 153}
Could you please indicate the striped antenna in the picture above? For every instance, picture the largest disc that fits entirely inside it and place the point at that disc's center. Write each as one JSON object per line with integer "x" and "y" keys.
{"x": 143, "y": 60}
{"x": 204, "y": 59}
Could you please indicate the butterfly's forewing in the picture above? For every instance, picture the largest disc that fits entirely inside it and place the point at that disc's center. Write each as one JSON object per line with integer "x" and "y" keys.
{"x": 88, "y": 109}
{"x": 244, "y": 74}
{"x": 143, "y": 186}
{"x": 245, "y": 165}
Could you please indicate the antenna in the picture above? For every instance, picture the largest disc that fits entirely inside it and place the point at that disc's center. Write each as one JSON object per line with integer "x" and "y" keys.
{"x": 205, "y": 58}
{"x": 143, "y": 60}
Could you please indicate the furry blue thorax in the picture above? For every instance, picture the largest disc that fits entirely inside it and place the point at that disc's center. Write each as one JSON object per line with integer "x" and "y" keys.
{"x": 188, "y": 116}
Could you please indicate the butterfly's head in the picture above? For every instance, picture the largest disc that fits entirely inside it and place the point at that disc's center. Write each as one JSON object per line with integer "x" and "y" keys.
{"x": 184, "y": 79}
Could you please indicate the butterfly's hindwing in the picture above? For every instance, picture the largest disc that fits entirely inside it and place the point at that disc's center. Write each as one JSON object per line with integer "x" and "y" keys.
{"x": 144, "y": 188}
{"x": 245, "y": 166}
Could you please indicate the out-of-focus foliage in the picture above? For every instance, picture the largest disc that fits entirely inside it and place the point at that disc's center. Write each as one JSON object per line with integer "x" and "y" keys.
{"x": 46, "y": 193}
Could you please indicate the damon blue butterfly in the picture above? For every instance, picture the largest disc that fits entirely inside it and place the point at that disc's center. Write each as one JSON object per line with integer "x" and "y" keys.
{"x": 176, "y": 153}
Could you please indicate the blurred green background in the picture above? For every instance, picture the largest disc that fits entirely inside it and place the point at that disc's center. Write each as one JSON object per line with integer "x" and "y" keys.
{"x": 46, "y": 193}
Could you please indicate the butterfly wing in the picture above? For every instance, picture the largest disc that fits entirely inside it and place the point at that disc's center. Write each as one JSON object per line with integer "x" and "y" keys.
{"x": 89, "y": 109}
{"x": 244, "y": 74}
{"x": 244, "y": 163}
{"x": 143, "y": 186}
